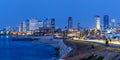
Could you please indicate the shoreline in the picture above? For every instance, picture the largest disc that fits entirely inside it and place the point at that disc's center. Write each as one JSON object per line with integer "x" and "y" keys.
{"x": 64, "y": 47}
{"x": 71, "y": 49}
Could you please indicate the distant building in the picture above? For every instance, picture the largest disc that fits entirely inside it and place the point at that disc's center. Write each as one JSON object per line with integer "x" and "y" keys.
{"x": 40, "y": 24}
{"x": 69, "y": 22}
{"x": 106, "y": 21}
{"x": 112, "y": 25}
{"x": 53, "y": 24}
{"x": 29, "y": 25}
{"x": 78, "y": 26}
{"x": 24, "y": 26}
{"x": 16, "y": 29}
{"x": 118, "y": 27}
{"x": 33, "y": 24}
{"x": 7, "y": 29}
{"x": 21, "y": 27}
{"x": 97, "y": 22}
{"x": 49, "y": 24}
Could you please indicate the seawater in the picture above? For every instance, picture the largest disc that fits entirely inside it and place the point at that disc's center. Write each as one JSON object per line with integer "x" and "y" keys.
{"x": 24, "y": 50}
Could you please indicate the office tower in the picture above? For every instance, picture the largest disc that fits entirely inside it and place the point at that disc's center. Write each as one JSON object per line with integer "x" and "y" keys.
{"x": 106, "y": 21}
{"x": 69, "y": 22}
{"x": 21, "y": 27}
{"x": 40, "y": 24}
{"x": 78, "y": 26}
{"x": 112, "y": 23}
{"x": 97, "y": 22}
{"x": 33, "y": 24}
{"x": 27, "y": 25}
{"x": 53, "y": 24}
{"x": 24, "y": 26}
{"x": 49, "y": 24}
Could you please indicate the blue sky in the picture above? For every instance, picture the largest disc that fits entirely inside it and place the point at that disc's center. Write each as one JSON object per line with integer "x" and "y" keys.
{"x": 12, "y": 12}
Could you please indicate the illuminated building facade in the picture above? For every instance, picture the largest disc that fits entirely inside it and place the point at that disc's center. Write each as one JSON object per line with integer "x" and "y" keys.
{"x": 33, "y": 24}
{"x": 78, "y": 26}
{"x": 69, "y": 22}
{"x": 97, "y": 23}
{"x": 21, "y": 27}
{"x": 49, "y": 25}
{"x": 106, "y": 21}
{"x": 112, "y": 23}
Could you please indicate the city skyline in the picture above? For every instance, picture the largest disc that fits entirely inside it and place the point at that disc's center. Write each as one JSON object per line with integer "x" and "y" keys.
{"x": 13, "y": 13}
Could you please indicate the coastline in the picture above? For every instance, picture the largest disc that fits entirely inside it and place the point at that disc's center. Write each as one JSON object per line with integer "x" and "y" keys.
{"x": 64, "y": 47}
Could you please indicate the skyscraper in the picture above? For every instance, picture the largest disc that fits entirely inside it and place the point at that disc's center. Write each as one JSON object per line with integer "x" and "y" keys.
{"x": 78, "y": 26}
{"x": 97, "y": 23}
{"x": 69, "y": 22}
{"x": 21, "y": 27}
{"x": 24, "y": 26}
{"x": 49, "y": 24}
{"x": 112, "y": 25}
{"x": 106, "y": 21}
{"x": 40, "y": 24}
{"x": 29, "y": 25}
{"x": 33, "y": 24}
{"x": 53, "y": 24}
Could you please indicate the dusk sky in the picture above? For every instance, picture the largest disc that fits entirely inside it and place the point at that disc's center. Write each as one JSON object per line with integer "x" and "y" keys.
{"x": 12, "y": 12}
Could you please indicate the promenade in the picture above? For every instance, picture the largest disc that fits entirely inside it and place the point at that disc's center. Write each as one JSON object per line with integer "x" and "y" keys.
{"x": 112, "y": 44}
{"x": 83, "y": 48}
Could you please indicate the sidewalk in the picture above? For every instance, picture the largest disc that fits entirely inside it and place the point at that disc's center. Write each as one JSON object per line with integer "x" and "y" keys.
{"x": 112, "y": 44}
{"x": 83, "y": 49}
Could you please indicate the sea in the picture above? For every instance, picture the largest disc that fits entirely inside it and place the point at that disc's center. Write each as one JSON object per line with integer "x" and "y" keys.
{"x": 25, "y": 50}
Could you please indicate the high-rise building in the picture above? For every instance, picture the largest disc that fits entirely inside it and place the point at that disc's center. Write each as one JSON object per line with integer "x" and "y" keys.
{"x": 106, "y": 21}
{"x": 97, "y": 19}
{"x": 78, "y": 26}
{"x": 40, "y": 24}
{"x": 29, "y": 25}
{"x": 112, "y": 23}
{"x": 24, "y": 26}
{"x": 33, "y": 24}
{"x": 49, "y": 24}
{"x": 69, "y": 22}
{"x": 21, "y": 27}
{"x": 52, "y": 23}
